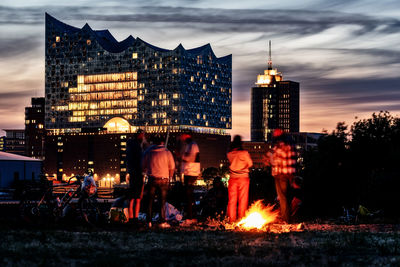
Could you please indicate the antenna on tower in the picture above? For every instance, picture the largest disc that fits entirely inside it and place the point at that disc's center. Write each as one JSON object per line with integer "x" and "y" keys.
{"x": 269, "y": 57}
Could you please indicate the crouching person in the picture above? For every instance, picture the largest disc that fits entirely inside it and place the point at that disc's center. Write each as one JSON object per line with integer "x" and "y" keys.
{"x": 159, "y": 165}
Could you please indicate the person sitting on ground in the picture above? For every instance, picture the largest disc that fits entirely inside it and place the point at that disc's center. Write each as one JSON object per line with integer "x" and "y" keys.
{"x": 216, "y": 199}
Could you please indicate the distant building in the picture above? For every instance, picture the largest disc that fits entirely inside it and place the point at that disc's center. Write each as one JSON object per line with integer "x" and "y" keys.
{"x": 303, "y": 141}
{"x": 91, "y": 78}
{"x": 257, "y": 151}
{"x": 99, "y": 91}
{"x": 14, "y": 141}
{"x": 34, "y": 128}
{"x": 105, "y": 153}
{"x": 15, "y": 168}
{"x": 274, "y": 104}
{"x": 306, "y": 141}
{"x": 2, "y": 143}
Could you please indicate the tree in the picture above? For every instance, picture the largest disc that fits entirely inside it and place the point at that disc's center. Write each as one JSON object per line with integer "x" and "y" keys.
{"x": 354, "y": 167}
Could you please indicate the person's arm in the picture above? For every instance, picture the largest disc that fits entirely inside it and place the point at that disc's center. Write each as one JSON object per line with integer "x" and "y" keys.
{"x": 171, "y": 164}
{"x": 249, "y": 161}
{"x": 145, "y": 160}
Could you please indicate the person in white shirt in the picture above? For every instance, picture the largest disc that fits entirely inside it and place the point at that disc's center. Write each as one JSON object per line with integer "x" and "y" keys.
{"x": 190, "y": 167}
{"x": 159, "y": 165}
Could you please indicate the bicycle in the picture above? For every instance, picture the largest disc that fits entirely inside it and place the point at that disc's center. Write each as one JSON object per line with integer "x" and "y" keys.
{"x": 53, "y": 208}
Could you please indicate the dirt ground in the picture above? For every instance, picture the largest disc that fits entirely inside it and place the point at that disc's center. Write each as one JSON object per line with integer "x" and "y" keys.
{"x": 314, "y": 245}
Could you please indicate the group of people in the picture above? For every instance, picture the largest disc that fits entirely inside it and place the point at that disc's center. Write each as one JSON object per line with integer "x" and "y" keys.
{"x": 158, "y": 164}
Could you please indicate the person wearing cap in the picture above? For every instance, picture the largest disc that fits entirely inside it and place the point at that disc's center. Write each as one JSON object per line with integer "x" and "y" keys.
{"x": 190, "y": 167}
{"x": 159, "y": 165}
{"x": 238, "y": 188}
{"x": 282, "y": 159}
{"x": 134, "y": 154}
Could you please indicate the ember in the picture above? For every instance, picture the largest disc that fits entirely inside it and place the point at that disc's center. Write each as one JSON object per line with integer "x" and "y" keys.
{"x": 258, "y": 216}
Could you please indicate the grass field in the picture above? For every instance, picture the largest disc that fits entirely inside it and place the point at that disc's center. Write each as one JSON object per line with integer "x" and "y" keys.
{"x": 123, "y": 246}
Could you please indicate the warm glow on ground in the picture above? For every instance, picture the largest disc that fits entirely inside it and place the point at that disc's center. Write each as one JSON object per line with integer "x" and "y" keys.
{"x": 258, "y": 216}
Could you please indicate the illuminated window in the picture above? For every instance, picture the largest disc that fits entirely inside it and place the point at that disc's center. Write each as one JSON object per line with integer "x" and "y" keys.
{"x": 192, "y": 78}
{"x": 204, "y": 116}
{"x": 216, "y": 76}
{"x": 198, "y": 116}
{"x": 58, "y": 39}
{"x": 204, "y": 86}
{"x": 134, "y": 55}
{"x": 88, "y": 42}
{"x": 175, "y": 95}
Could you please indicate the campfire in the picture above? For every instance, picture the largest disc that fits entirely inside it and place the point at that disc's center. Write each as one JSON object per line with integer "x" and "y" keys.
{"x": 258, "y": 216}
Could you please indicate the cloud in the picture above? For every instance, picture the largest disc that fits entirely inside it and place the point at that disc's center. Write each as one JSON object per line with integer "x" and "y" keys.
{"x": 298, "y": 22}
{"x": 18, "y": 46}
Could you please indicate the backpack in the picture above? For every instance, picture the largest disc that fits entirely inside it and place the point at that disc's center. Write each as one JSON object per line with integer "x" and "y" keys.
{"x": 119, "y": 211}
{"x": 118, "y": 215}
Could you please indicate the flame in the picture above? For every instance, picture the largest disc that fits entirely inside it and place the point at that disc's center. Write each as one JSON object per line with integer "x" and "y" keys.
{"x": 258, "y": 216}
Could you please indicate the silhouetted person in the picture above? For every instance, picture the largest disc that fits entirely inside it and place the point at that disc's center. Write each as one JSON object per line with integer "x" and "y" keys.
{"x": 238, "y": 188}
{"x": 134, "y": 154}
{"x": 216, "y": 199}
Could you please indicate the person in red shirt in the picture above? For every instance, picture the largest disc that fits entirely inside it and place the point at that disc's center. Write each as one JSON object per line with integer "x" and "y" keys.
{"x": 238, "y": 188}
{"x": 282, "y": 159}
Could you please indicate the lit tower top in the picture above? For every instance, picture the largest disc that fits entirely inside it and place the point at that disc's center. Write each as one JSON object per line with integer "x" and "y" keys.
{"x": 270, "y": 75}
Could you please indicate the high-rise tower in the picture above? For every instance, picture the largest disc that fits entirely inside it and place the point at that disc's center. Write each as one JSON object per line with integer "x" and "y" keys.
{"x": 274, "y": 104}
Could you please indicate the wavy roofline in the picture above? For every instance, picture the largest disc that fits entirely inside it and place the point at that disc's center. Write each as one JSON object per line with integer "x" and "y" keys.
{"x": 107, "y": 41}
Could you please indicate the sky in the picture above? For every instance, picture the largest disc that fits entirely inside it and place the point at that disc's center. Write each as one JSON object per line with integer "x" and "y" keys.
{"x": 344, "y": 53}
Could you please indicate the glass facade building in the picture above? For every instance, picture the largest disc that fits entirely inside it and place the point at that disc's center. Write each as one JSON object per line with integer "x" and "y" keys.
{"x": 274, "y": 104}
{"x": 93, "y": 81}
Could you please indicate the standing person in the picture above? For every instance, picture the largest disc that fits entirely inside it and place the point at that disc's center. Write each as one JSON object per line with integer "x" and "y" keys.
{"x": 282, "y": 160}
{"x": 159, "y": 165}
{"x": 238, "y": 188}
{"x": 134, "y": 154}
{"x": 190, "y": 167}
